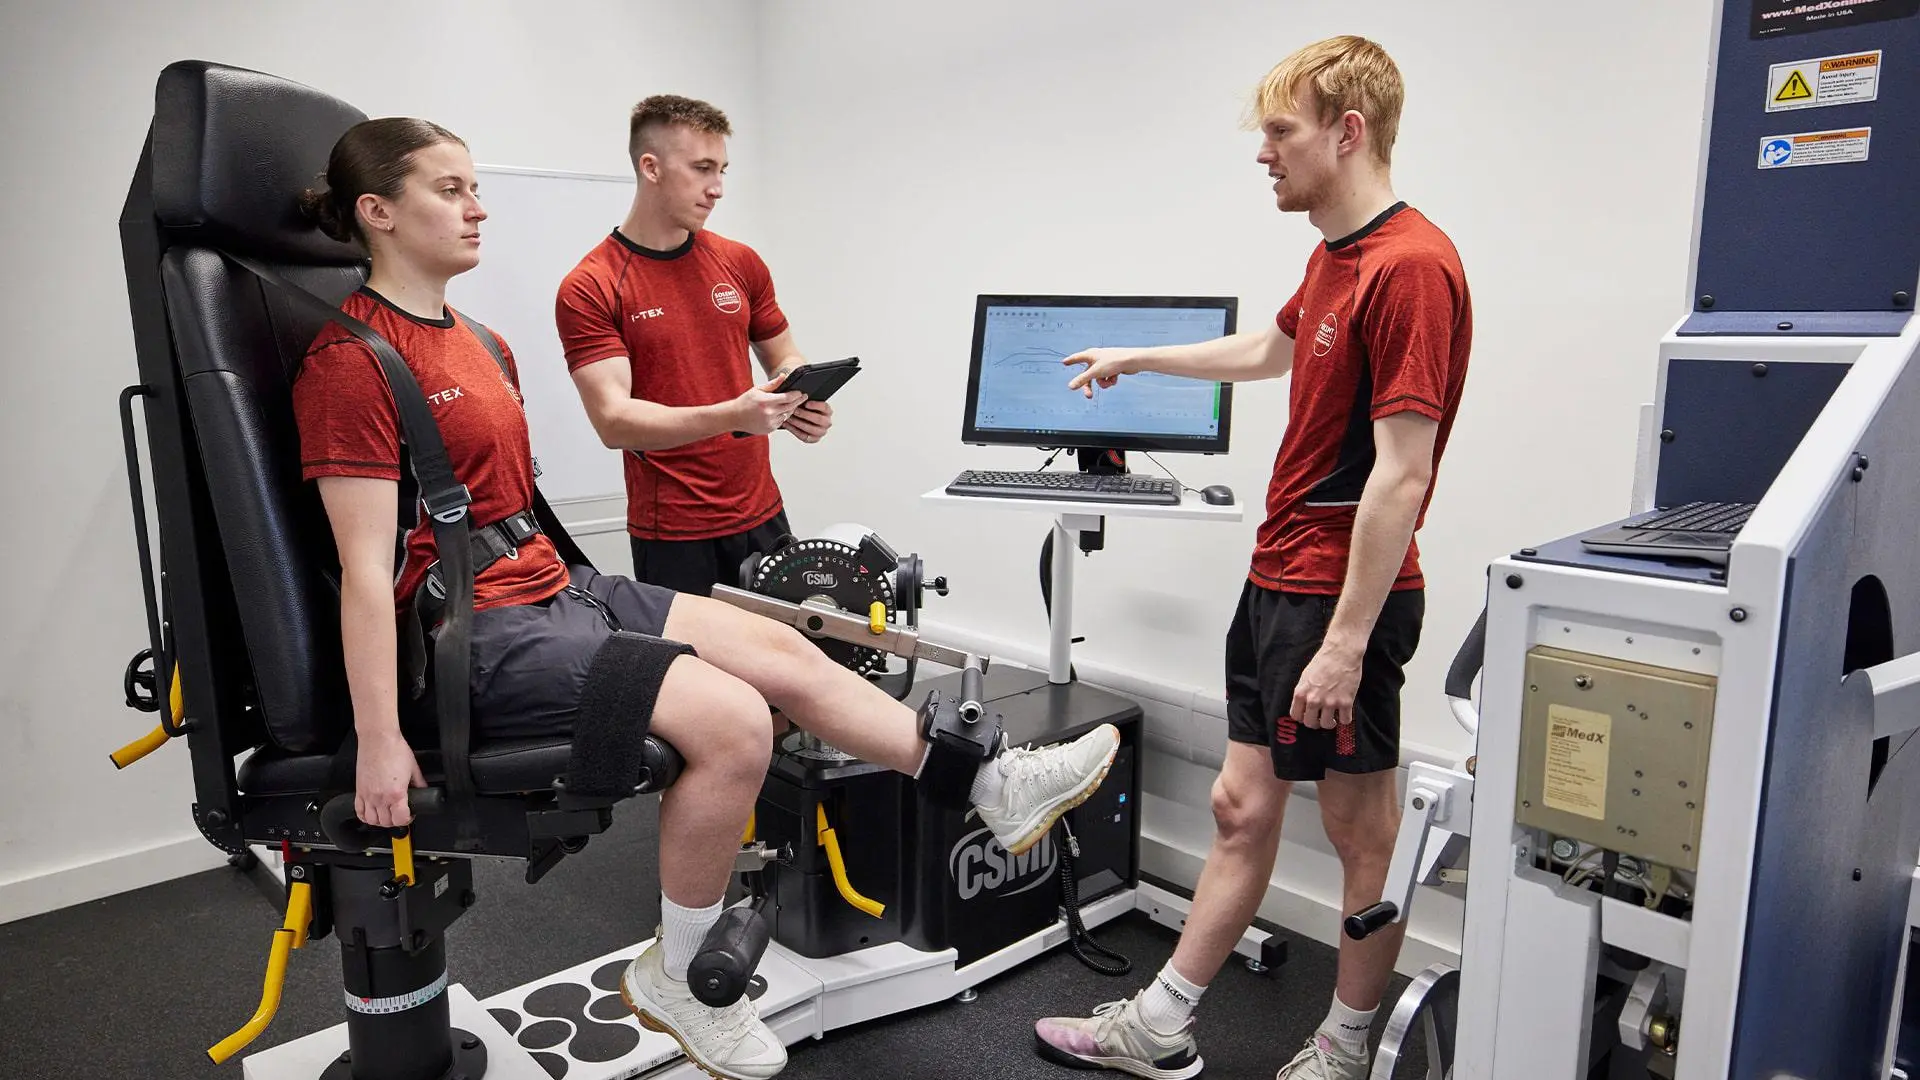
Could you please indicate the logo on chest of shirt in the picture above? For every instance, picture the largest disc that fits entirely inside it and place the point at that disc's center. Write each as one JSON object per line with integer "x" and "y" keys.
{"x": 650, "y": 313}
{"x": 726, "y": 298}
{"x": 445, "y": 396}
{"x": 512, "y": 390}
{"x": 1326, "y": 335}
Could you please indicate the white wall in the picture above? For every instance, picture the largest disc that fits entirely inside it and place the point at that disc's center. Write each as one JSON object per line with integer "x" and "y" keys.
{"x": 533, "y": 85}
{"x": 926, "y": 157}
{"x": 893, "y": 161}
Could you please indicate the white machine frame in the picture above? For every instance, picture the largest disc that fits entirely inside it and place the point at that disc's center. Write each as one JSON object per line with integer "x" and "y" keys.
{"x": 1531, "y": 948}
{"x": 1531, "y": 944}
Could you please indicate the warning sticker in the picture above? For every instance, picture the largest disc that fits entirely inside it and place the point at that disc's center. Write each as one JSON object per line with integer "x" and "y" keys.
{"x": 1578, "y": 751}
{"x": 1814, "y": 148}
{"x": 1824, "y": 81}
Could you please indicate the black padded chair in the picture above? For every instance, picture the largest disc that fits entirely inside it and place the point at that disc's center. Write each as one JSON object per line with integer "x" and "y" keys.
{"x": 247, "y": 610}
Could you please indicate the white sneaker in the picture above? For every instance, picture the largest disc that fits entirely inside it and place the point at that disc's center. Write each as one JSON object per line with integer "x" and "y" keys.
{"x": 1044, "y": 784}
{"x": 730, "y": 1043}
{"x": 1322, "y": 1060}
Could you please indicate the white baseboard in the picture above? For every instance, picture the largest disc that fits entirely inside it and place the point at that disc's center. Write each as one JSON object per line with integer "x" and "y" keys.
{"x": 61, "y": 887}
{"x": 1316, "y": 918}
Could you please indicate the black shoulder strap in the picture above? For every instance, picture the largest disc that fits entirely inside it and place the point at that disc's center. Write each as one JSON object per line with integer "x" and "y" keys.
{"x": 569, "y": 551}
{"x": 446, "y": 500}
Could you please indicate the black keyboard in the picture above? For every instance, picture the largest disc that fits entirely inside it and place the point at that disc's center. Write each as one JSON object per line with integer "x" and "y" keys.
{"x": 1079, "y": 486}
{"x": 1695, "y": 530}
{"x": 1695, "y": 517}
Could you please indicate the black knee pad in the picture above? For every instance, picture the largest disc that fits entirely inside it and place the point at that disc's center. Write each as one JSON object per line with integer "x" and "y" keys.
{"x": 958, "y": 747}
{"x": 609, "y": 758}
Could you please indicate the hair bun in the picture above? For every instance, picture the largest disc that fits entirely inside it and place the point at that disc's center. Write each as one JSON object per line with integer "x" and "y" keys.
{"x": 319, "y": 207}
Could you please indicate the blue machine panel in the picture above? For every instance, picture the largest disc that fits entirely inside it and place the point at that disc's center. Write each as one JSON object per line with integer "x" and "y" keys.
{"x": 1811, "y": 237}
{"x": 1834, "y": 852}
{"x": 1729, "y": 425}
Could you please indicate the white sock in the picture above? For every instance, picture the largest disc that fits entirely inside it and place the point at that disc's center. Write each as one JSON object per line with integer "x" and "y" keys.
{"x": 1348, "y": 1028}
{"x": 682, "y": 930}
{"x": 1165, "y": 1005}
{"x": 989, "y": 783}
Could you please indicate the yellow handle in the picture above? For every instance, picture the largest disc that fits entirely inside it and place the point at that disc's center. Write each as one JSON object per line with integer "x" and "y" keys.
{"x": 140, "y": 747}
{"x": 291, "y": 935}
{"x": 403, "y": 857}
{"x": 877, "y": 617}
{"x": 831, "y": 842}
{"x": 152, "y": 740}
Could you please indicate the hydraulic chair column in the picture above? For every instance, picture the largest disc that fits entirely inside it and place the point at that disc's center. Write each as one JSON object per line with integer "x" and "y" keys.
{"x": 390, "y": 918}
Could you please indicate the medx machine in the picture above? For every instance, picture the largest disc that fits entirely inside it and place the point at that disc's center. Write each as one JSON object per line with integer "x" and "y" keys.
{"x": 1695, "y": 800}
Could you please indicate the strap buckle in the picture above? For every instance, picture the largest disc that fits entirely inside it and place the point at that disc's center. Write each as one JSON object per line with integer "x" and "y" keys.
{"x": 450, "y": 505}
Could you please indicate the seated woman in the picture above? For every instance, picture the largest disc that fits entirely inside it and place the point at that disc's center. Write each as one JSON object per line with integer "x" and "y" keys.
{"x": 405, "y": 190}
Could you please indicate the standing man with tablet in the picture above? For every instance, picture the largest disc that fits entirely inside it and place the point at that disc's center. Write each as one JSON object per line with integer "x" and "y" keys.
{"x": 656, "y": 323}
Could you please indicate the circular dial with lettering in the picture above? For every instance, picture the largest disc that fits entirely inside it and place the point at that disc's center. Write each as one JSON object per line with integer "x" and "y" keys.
{"x": 829, "y": 573}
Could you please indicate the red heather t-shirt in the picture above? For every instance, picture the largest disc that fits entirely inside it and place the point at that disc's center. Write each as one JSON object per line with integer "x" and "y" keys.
{"x": 348, "y": 427}
{"x": 684, "y": 318}
{"x": 1382, "y": 324}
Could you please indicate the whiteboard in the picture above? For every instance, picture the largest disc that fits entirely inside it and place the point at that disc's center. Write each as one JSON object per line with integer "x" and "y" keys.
{"x": 539, "y": 225}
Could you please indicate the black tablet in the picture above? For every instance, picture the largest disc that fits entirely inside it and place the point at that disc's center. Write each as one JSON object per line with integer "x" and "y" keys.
{"x": 819, "y": 381}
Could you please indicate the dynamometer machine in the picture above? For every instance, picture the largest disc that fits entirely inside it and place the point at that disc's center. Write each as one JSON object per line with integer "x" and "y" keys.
{"x": 1694, "y": 802}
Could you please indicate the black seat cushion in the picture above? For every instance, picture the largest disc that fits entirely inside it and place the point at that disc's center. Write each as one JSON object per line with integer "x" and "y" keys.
{"x": 500, "y": 767}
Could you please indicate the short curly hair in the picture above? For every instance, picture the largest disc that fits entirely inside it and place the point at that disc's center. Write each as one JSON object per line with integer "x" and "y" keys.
{"x": 669, "y": 110}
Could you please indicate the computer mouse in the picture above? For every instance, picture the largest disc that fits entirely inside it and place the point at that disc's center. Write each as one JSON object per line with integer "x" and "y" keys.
{"x": 1217, "y": 495}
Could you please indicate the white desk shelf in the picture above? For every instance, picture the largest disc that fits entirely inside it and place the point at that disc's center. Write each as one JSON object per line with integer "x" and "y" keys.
{"x": 1071, "y": 517}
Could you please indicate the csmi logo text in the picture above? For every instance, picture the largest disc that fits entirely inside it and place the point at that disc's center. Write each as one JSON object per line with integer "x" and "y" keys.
{"x": 979, "y": 864}
{"x": 821, "y": 579}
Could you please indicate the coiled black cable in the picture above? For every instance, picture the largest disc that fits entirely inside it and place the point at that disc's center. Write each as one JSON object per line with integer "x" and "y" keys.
{"x": 1079, "y": 939}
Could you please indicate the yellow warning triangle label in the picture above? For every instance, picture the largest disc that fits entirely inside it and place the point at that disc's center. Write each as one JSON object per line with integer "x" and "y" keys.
{"x": 1795, "y": 89}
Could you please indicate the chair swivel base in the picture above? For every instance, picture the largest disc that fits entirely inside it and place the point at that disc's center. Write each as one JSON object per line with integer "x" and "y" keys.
{"x": 469, "y": 1060}
{"x": 319, "y": 1055}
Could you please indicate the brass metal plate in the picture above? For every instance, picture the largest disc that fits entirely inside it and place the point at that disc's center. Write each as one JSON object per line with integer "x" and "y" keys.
{"x": 1614, "y": 753}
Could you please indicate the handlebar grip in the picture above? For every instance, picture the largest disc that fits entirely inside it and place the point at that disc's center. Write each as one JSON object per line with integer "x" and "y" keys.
{"x": 349, "y": 833}
{"x": 970, "y": 694}
{"x": 1468, "y": 661}
{"x": 1362, "y": 924}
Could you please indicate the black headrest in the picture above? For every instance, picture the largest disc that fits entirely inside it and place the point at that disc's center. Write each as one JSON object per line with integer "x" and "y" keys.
{"x": 233, "y": 149}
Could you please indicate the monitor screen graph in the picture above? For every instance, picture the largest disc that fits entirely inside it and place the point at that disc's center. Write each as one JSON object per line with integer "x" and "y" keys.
{"x": 1017, "y": 383}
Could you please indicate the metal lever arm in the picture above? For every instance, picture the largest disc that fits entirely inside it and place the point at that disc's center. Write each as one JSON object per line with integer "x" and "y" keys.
{"x": 1436, "y": 799}
{"x": 854, "y": 629}
{"x": 1896, "y": 694}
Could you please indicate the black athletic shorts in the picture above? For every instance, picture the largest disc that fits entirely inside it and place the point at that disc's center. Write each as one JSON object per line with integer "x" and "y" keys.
{"x": 1273, "y": 638}
{"x": 696, "y": 566}
{"x": 530, "y": 661}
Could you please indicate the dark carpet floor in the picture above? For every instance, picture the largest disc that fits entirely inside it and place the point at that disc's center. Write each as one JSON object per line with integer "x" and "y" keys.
{"x": 140, "y": 984}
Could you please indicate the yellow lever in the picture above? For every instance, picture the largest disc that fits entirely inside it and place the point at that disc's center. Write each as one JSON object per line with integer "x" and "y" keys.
{"x": 291, "y": 935}
{"x": 152, "y": 740}
{"x": 824, "y": 834}
{"x": 403, "y": 858}
{"x": 877, "y": 617}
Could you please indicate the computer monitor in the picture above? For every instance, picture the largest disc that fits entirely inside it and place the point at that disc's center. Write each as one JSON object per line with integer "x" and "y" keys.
{"x": 1017, "y": 386}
